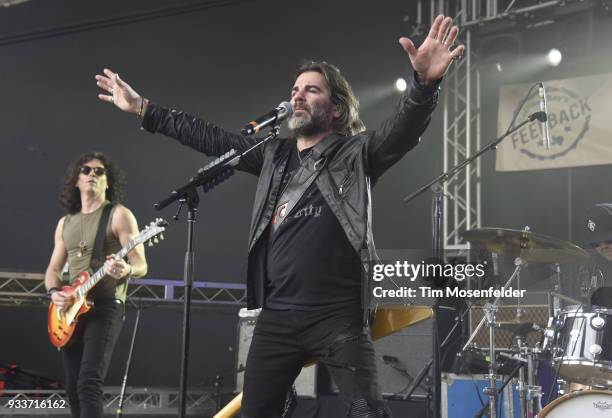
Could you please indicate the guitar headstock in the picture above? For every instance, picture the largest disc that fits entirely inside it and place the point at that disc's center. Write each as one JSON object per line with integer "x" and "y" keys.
{"x": 153, "y": 233}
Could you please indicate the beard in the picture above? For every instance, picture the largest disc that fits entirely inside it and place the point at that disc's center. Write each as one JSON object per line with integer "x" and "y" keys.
{"x": 311, "y": 121}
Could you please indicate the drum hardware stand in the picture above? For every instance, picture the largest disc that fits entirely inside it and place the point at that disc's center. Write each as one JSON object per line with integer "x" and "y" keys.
{"x": 554, "y": 304}
{"x": 558, "y": 296}
{"x": 208, "y": 177}
{"x": 519, "y": 308}
{"x": 529, "y": 394}
{"x": 490, "y": 310}
{"x": 562, "y": 387}
{"x": 511, "y": 376}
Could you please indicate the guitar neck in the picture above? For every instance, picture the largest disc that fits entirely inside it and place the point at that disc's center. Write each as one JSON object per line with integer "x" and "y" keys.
{"x": 151, "y": 231}
{"x": 99, "y": 274}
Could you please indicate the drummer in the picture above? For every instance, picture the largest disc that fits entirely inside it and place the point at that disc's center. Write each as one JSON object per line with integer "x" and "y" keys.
{"x": 599, "y": 230}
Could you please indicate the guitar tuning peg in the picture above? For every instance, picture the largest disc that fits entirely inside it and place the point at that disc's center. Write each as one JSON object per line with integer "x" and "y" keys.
{"x": 155, "y": 240}
{"x": 150, "y": 244}
{"x": 161, "y": 237}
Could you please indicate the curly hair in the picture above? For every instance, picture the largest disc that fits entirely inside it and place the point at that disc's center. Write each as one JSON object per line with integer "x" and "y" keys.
{"x": 342, "y": 96}
{"x": 70, "y": 196}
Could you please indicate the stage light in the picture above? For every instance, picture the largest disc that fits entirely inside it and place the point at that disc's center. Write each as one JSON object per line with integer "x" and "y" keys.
{"x": 400, "y": 84}
{"x": 553, "y": 58}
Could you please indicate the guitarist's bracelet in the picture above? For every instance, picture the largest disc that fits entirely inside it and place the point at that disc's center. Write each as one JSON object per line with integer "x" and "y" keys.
{"x": 53, "y": 289}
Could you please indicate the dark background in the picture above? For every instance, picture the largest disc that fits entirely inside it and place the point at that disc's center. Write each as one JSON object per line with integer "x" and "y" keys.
{"x": 228, "y": 62}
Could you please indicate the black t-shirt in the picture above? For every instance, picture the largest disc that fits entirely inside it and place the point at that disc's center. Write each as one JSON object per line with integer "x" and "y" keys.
{"x": 310, "y": 261}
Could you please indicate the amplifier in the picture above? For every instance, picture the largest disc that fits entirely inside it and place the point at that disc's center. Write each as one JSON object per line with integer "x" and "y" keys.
{"x": 399, "y": 359}
{"x": 305, "y": 384}
{"x": 401, "y": 356}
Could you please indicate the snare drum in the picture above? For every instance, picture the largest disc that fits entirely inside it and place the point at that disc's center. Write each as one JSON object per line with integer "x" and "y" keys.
{"x": 582, "y": 347}
{"x": 584, "y": 403}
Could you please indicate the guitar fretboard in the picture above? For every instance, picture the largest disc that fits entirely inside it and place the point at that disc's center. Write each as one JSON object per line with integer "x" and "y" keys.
{"x": 150, "y": 232}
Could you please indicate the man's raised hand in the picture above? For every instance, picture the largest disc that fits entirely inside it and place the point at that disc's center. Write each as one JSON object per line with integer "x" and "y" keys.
{"x": 119, "y": 93}
{"x": 433, "y": 58}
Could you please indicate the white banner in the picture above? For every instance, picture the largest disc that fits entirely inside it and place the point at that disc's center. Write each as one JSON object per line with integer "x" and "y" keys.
{"x": 580, "y": 120}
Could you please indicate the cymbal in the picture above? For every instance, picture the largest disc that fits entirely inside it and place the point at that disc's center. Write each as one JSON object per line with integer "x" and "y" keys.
{"x": 529, "y": 246}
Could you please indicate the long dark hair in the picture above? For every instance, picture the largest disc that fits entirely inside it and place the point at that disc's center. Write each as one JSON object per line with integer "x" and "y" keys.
{"x": 70, "y": 196}
{"x": 342, "y": 96}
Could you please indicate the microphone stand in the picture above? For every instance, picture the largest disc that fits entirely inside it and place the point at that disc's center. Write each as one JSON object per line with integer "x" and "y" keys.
{"x": 127, "y": 365}
{"x": 437, "y": 240}
{"x": 208, "y": 177}
{"x": 444, "y": 177}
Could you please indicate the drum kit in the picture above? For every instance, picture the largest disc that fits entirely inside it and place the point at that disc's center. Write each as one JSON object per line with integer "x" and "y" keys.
{"x": 575, "y": 346}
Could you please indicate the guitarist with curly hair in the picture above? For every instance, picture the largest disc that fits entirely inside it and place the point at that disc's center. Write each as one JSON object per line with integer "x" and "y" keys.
{"x": 91, "y": 194}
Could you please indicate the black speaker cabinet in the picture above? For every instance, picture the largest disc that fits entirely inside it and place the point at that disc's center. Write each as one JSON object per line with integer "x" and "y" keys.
{"x": 399, "y": 359}
{"x": 401, "y": 356}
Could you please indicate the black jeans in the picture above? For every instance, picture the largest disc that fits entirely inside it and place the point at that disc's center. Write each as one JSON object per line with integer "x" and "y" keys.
{"x": 87, "y": 358}
{"x": 283, "y": 340}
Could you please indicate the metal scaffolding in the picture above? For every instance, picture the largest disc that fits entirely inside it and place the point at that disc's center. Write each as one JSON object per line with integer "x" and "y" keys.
{"x": 461, "y": 112}
{"x": 26, "y": 289}
{"x": 461, "y": 99}
{"x": 137, "y": 401}
{"x": 462, "y": 206}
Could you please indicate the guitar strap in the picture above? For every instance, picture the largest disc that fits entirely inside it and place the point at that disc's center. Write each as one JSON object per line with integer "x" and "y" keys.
{"x": 305, "y": 175}
{"x": 97, "y": 257}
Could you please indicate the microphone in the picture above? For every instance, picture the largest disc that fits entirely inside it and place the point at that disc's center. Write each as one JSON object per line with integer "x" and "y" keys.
{"x": 544, "y": 121}
{"x": 278, "y": 114}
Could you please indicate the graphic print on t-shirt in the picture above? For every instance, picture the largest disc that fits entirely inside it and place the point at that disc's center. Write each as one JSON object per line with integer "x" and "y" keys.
{"x": 280, "y": 213}
{"x": 310, "y": 261}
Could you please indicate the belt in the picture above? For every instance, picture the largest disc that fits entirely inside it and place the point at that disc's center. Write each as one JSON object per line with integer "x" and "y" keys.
{"x": 105, "y": 302}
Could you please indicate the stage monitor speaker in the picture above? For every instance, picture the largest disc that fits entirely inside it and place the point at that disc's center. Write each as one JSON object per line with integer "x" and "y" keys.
{"x": 305, "y": 383}
{"x": 401, "y": 356}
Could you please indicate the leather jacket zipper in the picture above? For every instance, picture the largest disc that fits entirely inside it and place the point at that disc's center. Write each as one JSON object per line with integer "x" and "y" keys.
{"x": 344, "y": 185}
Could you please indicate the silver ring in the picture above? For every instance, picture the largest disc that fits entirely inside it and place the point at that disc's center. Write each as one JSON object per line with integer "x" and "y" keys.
{"x": 112, "y": 99}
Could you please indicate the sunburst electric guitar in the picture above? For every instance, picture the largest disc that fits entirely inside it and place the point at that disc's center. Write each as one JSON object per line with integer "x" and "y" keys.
{"x": 61, "y": 325}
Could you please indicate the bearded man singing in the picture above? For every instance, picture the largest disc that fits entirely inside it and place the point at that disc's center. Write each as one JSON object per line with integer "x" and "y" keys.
{"x": 311, "y": 239}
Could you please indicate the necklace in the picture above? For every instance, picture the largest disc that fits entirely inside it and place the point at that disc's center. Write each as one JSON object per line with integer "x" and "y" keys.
{"x": 82, "y": 243}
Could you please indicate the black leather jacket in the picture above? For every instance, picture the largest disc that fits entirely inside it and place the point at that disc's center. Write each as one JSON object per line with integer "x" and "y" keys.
{"x": 352, "y": 166}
